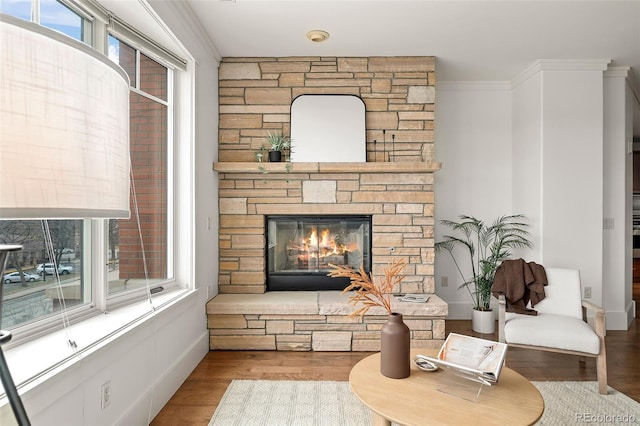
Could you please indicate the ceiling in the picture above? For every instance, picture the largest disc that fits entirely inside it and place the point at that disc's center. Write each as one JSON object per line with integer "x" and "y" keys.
{"x": 475, "y": 40}
{"x": 472, "y": 40}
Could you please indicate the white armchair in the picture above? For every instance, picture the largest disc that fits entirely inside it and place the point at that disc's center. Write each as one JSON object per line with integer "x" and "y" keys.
{"x": 560, "y": 325}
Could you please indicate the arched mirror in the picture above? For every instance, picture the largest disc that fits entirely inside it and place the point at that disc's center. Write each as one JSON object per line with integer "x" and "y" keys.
{"x": 328, "y": 128}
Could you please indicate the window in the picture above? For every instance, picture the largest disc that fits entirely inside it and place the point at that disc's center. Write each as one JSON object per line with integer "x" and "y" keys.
{"x": 147, "y": 228}
{"x": 54, "y": 14}
{"x": 34, "y": 296}
{"x": 101, "y": 263}
{"x": 19, "y": 9}
{"x": 57, "y": 16}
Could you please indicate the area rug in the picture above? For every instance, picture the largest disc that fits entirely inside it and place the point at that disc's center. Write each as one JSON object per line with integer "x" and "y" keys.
{"x": 325, "y": 403}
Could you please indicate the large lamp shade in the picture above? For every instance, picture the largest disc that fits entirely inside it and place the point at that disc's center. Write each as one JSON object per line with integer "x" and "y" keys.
{"x": 64, "y": 127}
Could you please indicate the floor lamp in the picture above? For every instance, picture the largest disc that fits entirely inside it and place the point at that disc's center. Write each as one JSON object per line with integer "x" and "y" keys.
{"x": 64, "y": 107}
{"x": 5, "y": 337}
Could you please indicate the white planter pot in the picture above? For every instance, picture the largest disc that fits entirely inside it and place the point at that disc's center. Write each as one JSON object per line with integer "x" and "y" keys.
{"x": 483, "y": 322}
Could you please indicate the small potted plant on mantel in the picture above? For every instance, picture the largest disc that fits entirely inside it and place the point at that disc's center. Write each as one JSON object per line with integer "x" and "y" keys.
{"x": 486, "y": 246}
{"x": 278, "y": 143}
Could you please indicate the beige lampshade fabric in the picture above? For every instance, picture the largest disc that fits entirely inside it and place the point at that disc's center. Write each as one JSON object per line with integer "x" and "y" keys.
{"x": 64, "y": 127}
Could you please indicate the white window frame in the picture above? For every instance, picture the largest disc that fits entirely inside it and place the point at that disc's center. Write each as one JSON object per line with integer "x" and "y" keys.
{"x": 115, "y": 300}
{"x": 95, "y": 235}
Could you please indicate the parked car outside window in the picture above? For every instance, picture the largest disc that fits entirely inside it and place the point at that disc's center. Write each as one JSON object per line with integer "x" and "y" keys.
{"x": 14, "y": 277}
{"x": 48, "y": 269}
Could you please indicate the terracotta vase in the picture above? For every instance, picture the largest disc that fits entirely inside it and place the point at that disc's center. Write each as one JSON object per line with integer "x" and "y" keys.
{"x": 395, "y": 348}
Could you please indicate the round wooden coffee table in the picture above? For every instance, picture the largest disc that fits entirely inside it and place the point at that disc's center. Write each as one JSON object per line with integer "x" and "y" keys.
{"x": 427, "y": 398}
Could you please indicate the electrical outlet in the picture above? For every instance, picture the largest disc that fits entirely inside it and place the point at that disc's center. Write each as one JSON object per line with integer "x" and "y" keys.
{"x": 587, "y": 292}
{"x": 444, "y": 281}
{"x": 106, "y": 394}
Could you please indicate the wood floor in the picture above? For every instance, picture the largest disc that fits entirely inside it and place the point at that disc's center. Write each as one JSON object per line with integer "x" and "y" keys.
{"x": 196, "y": 400}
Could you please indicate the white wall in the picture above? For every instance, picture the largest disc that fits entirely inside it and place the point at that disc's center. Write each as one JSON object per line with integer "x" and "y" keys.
{"x": 527, "y": 156}
{"x": 618, "y": 184}
{"x": 588, "y": 119}
{"x": 473, "y": 134}
{"x": 569, "y": 175}
{"x": 572, "y": 172}
{"x": 537, "y": 146}
{"x": 144, "y": 364}
{"x": 582, "y": 173}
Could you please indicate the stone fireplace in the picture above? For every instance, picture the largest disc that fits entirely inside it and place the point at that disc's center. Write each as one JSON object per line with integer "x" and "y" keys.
{"x": 397, "y": 196}
{"x": 301, "y": 249}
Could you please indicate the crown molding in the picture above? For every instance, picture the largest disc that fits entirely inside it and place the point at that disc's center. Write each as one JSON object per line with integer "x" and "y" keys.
{"x": 618, "y": 72}
{"x": 634, "y": 86}
{"x": 560, "y": 65}
{"x": 466, "y": 86}
{"x": 630, "y": 79}
{"x": 192, "y": 23}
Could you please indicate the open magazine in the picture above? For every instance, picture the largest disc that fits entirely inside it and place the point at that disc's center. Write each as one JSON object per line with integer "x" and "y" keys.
{"x": 474, "y": 358}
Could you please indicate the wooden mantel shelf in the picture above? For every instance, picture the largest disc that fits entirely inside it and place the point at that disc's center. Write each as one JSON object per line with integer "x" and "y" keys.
{"x": 369, "y": 167}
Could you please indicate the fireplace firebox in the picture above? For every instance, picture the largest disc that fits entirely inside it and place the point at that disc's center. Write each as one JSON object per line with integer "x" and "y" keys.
{"x": 301, "y": 248}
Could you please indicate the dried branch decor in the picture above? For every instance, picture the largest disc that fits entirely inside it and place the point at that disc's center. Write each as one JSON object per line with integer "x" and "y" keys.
{"x": 365, "y": 290}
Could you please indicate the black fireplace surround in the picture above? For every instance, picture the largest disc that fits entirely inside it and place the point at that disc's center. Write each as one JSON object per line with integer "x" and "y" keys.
{"x": 300, "y": 249}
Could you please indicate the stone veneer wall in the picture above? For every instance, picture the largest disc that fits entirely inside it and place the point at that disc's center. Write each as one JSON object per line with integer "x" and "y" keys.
{"x": 255, "y": 96}
{"x": 314, "y": 321}
{"x": 398, "y": 196}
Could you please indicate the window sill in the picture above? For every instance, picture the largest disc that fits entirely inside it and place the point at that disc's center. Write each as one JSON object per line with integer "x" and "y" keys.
{"x": 34, "y": 361}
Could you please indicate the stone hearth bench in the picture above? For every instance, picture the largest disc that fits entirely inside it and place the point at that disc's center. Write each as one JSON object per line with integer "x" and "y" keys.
{"x": 314, "y": 321}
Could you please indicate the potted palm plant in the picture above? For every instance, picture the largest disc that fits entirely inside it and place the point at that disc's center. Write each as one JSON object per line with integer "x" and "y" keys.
{"x": 485, "y": 246}
{"x": 278, "y": 143}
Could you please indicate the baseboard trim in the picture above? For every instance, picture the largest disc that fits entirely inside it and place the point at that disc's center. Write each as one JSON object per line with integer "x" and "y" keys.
{"x": 148, "y": 405}
{"x": 620, "y": 320}
{"x": 462, "y": 310}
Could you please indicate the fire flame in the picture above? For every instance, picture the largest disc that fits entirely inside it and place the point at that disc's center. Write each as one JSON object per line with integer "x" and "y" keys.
{"x": 322, "y": 246}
